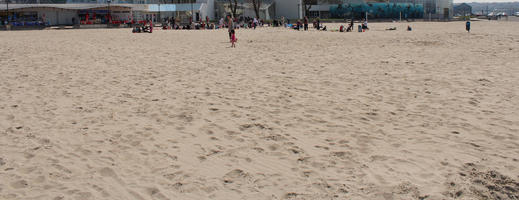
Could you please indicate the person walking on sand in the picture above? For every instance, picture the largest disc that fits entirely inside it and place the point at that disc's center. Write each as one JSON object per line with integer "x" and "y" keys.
{"x": 151, "y": 26}
{"x": 233, "y": 39}
{"x": 255, "y": 23}
{"x": 467, "y": 26}
{"x": 230, "y": 26}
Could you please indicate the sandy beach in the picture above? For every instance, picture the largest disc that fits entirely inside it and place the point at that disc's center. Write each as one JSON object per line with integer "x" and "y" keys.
{"x": 107, "y": 114}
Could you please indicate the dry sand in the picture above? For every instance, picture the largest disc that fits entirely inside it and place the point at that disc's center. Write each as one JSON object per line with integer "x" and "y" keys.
{"x": 107, "y": 114}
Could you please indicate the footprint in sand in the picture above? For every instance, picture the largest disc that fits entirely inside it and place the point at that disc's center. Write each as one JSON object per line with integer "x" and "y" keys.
{"x": 108, "y": 172}
{"x": 235, "y": 176}
{"x": 19, "y": 184}
{"x": 155, "y": 193}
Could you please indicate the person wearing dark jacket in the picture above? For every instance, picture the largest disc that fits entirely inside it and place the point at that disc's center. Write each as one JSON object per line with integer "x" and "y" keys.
{"x": 306, "y": 24}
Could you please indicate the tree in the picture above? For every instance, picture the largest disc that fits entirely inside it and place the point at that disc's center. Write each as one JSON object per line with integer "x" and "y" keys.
{"x": 307, "y": 5}
{"x": 257, "y": 5}
{"x": 233, "y": 7}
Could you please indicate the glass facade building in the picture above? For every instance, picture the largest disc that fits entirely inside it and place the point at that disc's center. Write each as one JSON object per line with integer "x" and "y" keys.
{"x": 392, "y": 9}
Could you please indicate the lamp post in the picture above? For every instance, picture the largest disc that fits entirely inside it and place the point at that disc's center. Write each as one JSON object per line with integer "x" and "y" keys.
{"x": 7, "y": 2}
{"x": 299, "y": 11}
{"x": 192, "y": 10}
{"x": 109, "y": 11}
{"x": 160, "y": 18}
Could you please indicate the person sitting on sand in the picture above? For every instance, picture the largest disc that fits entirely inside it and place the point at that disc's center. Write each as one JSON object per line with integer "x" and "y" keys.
{"x": 365, "y": 25}
{"x": 221, "y": 23}
{"x": 145, "y": 28}
{"x": 409, "y": 28}
{"x": 136, "y": 29}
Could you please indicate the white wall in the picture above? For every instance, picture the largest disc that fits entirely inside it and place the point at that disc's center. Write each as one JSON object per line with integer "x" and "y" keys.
{"x": 48, "y": 16}
{"x": 58, "y": 16}
{"x": 249, "y": 12}
{"x": 290, "y": 9}
{"x": 209, "y": 9}
{"x": 445, "y": 4}
{"x": 65, "y": 17}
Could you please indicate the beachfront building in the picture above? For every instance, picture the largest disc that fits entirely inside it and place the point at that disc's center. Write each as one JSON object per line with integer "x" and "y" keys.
{"x": 158, "y": 10}
{"x": 463, "y": 9}
{"x": 290, "y": 9}
{"x": 394, "y": 9}
{"x": 390, "y": 9}
{"x": 92, "y": 12}
{"x": 245, "y": 8}
{"x": 269, "y": 9}
{"x": 58, "y": 14}
{"x": 95, "y": 12}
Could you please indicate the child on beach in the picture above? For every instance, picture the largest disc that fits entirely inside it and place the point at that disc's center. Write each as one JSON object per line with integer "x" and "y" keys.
{"x": 151, "y": 27}
{"x": 233, "y": 39}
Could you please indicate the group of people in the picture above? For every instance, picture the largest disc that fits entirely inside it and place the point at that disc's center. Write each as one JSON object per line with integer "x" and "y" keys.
{"x": 172, "y": 23}
{"x": 147, "y": 27}
{"x": 350, "y": 27}
{"x": 320, "y": 27}
{"x": 242, "y": 22}
{"x": 301, "y": 24}
{"x": 231, "y": 24}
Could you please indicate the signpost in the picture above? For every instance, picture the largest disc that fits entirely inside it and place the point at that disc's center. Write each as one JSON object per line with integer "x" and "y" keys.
{"x": 7, "y": 2}
{"x": 7, "y": 25}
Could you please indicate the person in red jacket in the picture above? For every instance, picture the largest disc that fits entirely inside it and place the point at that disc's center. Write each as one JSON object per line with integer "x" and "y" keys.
{"x": 151, "y": 27}
{"x": 233, "y": 39}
